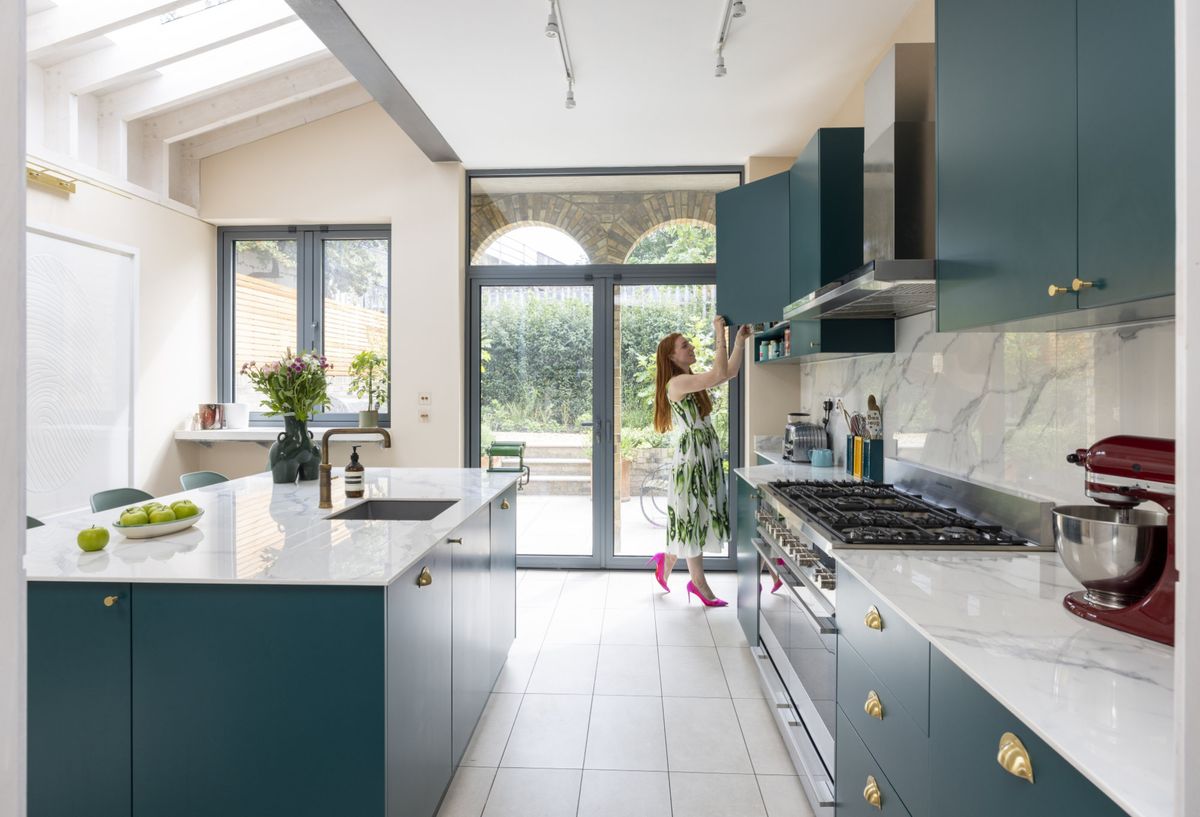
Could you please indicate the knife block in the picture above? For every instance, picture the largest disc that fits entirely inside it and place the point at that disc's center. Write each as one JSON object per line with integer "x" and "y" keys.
{"x": 864, "y": 458}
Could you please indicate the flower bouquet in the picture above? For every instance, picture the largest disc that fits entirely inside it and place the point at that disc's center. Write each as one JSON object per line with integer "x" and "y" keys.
{"x": 296, "y": 386}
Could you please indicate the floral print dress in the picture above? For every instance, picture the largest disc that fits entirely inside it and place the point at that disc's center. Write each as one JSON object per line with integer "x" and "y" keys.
{"x": 697, "y": 509}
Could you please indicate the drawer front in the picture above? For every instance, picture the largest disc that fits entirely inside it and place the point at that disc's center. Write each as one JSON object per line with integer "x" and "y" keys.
{"x": 889, "y": 732}
{"x": 967, "y": 726}
{"x": 856, "y": 770}
{"x": 894, "y": 651}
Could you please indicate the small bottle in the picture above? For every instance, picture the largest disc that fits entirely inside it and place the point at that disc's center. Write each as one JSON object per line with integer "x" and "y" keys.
{"x": 354, "y": 475}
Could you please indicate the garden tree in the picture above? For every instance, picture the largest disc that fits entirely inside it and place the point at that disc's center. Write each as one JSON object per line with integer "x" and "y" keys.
{"x": 351, "y": 266}
{"x": 676, "y": 244}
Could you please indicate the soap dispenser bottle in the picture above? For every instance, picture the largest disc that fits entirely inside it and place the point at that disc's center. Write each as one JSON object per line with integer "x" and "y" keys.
{"x": 354, "y": 476}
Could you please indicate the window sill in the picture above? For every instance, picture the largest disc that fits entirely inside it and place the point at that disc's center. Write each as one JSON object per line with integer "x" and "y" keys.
{"x": 263, "y": 435}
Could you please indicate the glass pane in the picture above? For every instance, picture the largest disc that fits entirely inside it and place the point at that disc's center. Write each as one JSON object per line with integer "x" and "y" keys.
{"x": 264, "y": 308}
{"x": 356, "y": 313}
{"x": 644, "y": 315}
{"x": 536, "y": 391}
{"x": 643, "y": 219}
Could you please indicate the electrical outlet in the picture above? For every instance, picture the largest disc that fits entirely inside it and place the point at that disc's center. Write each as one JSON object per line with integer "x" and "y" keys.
{"x": 423, "y": 415}
{"x": 424, "y": 399}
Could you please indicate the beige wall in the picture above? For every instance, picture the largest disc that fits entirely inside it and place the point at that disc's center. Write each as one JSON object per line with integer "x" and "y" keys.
{"x": 359, "y": 167}
{"x": 176, "y": 312}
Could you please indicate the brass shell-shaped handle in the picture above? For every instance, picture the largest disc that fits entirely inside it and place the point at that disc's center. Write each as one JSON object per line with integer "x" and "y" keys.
{"x": 109, "y": 601}
{"x": 424, "y": 578}
{"x": 872, "y": 619}
{"x": 1078, "y": 284}
{"x": 1014, "y": 758}
{"x": 504, "y": 506}
{"x": 1055, "y": 289}
{"x": 874, "y": 706}
{"x": 872, "y": 794}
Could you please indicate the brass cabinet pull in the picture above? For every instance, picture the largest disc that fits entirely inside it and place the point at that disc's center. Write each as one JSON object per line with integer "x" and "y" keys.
{"x": 1014, "y": 758}
{"x": 1078, "y": 284}
{"x": 504, "y": 505}
{"x": 874, "y": 706}
{"x": 872, "y": 619}
{"x": 109, "y": 601}
{"x": 1055, "y": 289}
{"x": 424, "y": 578}
{"x": 872, "y": 794}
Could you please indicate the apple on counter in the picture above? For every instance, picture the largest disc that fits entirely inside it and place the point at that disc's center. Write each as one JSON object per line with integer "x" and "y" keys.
{"x": 92, "y": 539}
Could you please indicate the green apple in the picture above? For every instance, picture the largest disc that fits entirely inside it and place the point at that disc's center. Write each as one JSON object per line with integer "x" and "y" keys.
{"x": 184, "y": 508}
{"x": 133, "y": 518}
{"x": 92, "y": 539}
{"x": 151, "y": 507}
{"x": 163, "y": 515}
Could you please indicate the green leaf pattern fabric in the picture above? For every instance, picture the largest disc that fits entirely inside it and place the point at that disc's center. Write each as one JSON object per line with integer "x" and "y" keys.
{"x": 697, "y": 508}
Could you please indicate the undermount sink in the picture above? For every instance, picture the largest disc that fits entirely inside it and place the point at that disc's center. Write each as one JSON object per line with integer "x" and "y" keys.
{"x": 397, "y": 510}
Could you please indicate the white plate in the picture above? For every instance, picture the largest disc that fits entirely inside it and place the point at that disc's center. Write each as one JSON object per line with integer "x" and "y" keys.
{"x": 149, "y": 531}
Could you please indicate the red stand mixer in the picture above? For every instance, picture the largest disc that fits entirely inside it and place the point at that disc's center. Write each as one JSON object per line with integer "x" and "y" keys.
{"x": 1124, "y": 557}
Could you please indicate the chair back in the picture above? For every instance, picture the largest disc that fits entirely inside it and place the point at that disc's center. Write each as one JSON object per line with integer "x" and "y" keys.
{"x": 116, "y": 497}
{"x": 198, "y": 479}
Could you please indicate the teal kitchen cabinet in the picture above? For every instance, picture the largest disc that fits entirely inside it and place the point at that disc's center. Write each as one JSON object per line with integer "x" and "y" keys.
{"x": 971, "y": 738}
{"x": 1055, "y": 141}
{"x": 749, "y": 566}
{"x": 78, "y": 699}
{"x": 863, "y": 789}
{"x": 237, "y": 687}
{"x": 827, "y": 210}
{"x": 753, "y": 250}
{"x": 503, "y": 587}
{"x": 471, "y": 628}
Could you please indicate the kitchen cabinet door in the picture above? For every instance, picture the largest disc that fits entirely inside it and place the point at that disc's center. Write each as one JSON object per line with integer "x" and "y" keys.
{"x": 1006, "y": 144}
{"x": 965, "y": 732}
{"x": 826, "y": 199}
{"x": 418, "y": 686}
{"x": 749, "y": 564}
{"x": 753, "y": 250}
{"x": 256, "y": 700}
{"x": 1126, "y": 150}
{"x": 471, "y": 628}
{"x": 79, "y": 750}
{"x": 504, "y": 579}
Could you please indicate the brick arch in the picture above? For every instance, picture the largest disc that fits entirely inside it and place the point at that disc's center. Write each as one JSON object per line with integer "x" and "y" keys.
{"x": 607, "y": 225}
{"x": 692, "y": 222}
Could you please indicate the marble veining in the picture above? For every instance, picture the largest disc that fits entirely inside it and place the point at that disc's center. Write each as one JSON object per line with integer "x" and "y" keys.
{"x": 1005, "y": 408}
{"x": 254, "y": 531}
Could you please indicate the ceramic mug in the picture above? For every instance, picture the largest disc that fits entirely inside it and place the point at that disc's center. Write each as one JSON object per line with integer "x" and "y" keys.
{"x": 821, "y": 457}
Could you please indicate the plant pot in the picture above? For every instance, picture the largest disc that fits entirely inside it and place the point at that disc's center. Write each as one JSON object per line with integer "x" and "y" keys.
{"x": 626, "y": 479}
{"x": 484, "y": 460}
{"x": 368, "y": 419}
{"x": 293, "y": 454}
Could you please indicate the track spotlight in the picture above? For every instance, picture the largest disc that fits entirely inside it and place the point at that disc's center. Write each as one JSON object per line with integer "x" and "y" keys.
{"x": 552, "y": 23}
{"x": 720, "y": 72}
{"x": 570, "y": 98}
{"x": 739, "y": 9}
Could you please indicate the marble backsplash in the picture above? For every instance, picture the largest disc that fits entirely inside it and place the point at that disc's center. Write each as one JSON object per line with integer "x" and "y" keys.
{"x": 1006, "y": 408}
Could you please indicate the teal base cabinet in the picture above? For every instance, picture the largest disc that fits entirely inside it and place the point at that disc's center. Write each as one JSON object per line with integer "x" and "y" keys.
{"x": 967, "y": 728}
{"x": 503, "y": 583}
{"x": 863, "y": 789}
{"x": 472, "y": 679}
{"x": 749, "y": 564}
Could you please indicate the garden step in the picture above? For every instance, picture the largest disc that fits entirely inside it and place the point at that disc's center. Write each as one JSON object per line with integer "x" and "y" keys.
{"x": 558, "y": 460}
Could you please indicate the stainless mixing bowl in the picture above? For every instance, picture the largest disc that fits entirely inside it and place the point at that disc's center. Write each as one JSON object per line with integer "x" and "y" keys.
{"x": 1117, "y": 555}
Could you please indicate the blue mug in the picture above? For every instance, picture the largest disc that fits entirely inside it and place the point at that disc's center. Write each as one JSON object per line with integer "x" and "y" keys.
{"x": 821, "y": 457}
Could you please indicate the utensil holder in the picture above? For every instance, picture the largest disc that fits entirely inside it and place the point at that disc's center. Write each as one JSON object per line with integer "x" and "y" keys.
{"x": 864, "y": 458}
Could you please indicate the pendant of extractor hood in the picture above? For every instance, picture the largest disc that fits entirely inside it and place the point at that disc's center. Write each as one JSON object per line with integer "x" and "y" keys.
{"x": 899, "y": 196}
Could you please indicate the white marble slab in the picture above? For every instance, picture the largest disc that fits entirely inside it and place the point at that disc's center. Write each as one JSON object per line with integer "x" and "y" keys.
{"x": 758, "y": 474}
{"x": 256, "y": 532}
{"x": 1103, "y": 699}
{"x": 769, "y": 448}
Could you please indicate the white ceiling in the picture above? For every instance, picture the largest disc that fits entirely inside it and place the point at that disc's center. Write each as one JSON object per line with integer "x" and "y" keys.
{"x": 493, "y": 84}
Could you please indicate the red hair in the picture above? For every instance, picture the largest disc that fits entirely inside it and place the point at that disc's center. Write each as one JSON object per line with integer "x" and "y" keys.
{"x": 665, "y": 369}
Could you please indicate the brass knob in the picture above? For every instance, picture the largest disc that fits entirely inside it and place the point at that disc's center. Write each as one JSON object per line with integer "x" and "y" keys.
{"x": 424, "y": 578}
{"x": 872, "y": 619}
{"x": 874, "y": 706}
{"x": 872, "y": 794}
{"x": 1014, "y": 758}
{"x": 109, "y": 601}
{"x": 1078, "y": 284}
{"x": 1055, "y": 289}
{"x": 812, "y": 344}
{"x": 504, "y": 506}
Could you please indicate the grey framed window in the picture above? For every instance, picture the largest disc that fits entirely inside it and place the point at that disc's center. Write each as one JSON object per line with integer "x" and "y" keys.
{"x": 308, "y": 288}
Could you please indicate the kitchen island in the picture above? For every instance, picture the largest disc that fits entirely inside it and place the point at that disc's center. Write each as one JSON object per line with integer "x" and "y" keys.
{"x": 270, "y": 660}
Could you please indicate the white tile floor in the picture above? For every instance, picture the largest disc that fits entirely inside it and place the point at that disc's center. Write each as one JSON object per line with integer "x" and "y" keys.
{"x": 619, "y": 700}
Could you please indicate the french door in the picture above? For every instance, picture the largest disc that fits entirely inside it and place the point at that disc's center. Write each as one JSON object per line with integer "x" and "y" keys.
{"x": 561, "y": 366}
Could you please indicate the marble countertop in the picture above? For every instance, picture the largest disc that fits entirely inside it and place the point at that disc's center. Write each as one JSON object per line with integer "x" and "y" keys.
{"x": 256, "y": 532}
{"x": 1103, "y": 699}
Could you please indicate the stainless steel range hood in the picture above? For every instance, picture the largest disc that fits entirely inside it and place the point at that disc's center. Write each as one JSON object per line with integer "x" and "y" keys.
{"x": 899, "y": 194}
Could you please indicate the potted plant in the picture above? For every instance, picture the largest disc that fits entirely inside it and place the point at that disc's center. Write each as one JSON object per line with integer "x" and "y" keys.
{"x": 368, "y": 381}
{"x": 295, "y": 386}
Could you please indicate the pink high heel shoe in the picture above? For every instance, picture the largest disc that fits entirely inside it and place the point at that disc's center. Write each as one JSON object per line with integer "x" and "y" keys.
{"x": 714, "y": 602}
{"x": 778, "y": 581}
{"x": 659, "y": 562}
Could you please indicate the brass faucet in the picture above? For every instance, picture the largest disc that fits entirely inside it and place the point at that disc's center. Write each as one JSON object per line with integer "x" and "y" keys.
{"x": 326, "y": 474}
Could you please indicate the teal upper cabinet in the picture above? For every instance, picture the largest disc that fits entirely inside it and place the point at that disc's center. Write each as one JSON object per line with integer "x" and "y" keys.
{"x": 753, "y": 250}
{"x": 1126, "y": 150}
{"x": 1055, "y": 162}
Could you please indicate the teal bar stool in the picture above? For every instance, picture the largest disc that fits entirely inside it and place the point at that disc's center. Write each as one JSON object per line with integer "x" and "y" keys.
{"x": 116, "y": 497}
{"x": 198, "y": 479}
{"x": 30, "y": 522}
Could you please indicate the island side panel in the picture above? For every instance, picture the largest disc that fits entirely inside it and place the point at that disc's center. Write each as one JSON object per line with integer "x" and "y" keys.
{"x": 471, "y": 636}
{"x": 504, "y": 578}
{"x": 79, "y": 708}
{"x": 258, "y": 700}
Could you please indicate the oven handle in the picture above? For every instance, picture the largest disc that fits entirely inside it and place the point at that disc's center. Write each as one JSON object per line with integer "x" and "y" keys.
{"x": 824, "y": 625}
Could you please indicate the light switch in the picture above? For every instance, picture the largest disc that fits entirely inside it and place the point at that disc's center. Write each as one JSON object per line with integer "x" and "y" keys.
{"x": 424, "y": 399}
{"x": 423, "y": 415}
